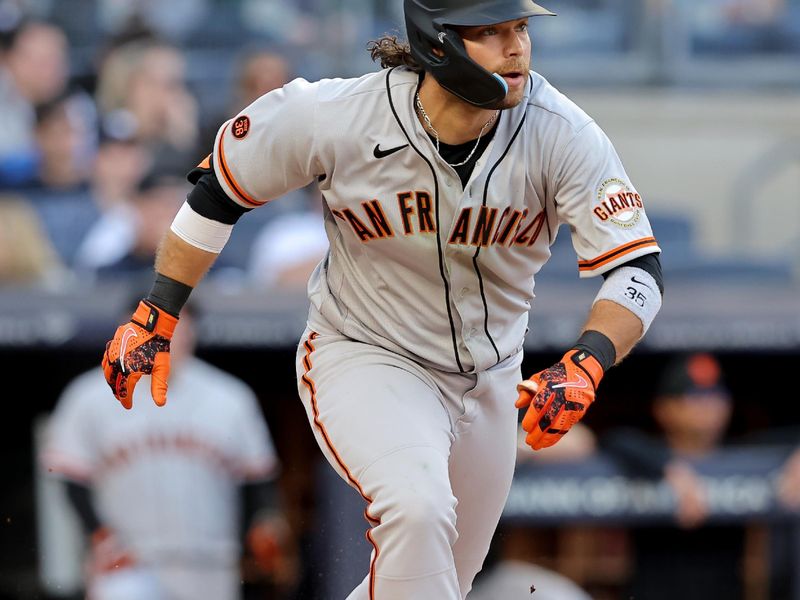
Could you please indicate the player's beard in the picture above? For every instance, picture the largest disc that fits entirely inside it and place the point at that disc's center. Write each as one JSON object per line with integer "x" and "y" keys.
{"x": 514, "y": 96}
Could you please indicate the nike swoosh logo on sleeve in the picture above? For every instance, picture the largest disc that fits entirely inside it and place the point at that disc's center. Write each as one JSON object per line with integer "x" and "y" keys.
{"x": 127, "y": 335}
{"x": 634, "y": 280}
{"x": 580, "y": 383}
{"x": 384, "y": 153}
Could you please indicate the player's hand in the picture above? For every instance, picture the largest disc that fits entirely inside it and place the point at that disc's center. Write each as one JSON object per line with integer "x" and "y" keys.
{"x": 107, "y": 554}
{"x": 140, "y": 347}
{"x": 558, "y": 397}
{"x": 690, "y": 494}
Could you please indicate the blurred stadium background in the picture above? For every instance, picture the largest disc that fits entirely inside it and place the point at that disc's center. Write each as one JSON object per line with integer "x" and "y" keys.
{"x": 101, "y": 106}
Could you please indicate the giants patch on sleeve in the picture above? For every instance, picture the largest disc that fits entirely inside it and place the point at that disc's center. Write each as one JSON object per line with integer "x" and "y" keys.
{"x": 617, "y": 203}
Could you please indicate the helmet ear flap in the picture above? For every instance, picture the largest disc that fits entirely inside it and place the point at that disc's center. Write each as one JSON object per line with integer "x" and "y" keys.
{"x": 455, "y": 68}
{"x": 427, "y": 48}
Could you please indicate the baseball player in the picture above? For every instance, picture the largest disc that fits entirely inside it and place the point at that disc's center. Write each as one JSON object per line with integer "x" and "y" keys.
{"x": 163, "y": 496}
{"x": 445, "y": 176}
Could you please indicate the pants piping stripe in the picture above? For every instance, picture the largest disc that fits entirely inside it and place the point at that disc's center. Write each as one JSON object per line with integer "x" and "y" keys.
{"x": 312, "y": 389}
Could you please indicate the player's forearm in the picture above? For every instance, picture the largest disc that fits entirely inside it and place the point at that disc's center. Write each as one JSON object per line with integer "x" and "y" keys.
{"x": 617, "y": 323}
{"x": 181, "y": 261}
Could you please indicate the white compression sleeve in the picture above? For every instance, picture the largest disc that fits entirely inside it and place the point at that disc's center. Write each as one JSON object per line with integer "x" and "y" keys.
{"x": 636, "y": 290}
{"x": 199, "y": 231}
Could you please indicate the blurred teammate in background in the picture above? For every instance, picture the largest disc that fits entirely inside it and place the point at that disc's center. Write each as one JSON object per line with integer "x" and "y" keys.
{"x": 168, "y": 499}
{"x": 695, "y": 560}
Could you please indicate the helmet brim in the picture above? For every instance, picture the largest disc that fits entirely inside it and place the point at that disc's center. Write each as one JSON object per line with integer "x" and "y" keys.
{"x": 491, "y": 13}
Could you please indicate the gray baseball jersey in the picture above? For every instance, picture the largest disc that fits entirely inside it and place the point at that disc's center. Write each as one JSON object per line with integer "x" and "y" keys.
{"x": 166, "y": 479}
{"x": 419, "y": 264}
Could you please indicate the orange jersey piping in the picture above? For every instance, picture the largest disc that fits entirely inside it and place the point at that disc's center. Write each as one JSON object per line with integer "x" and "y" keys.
{"x": 226, "y": 173}
{"x": 611, "y": 255}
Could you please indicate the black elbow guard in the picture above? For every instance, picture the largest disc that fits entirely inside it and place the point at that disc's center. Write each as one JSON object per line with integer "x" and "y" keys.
{"x": 208, "y": 199}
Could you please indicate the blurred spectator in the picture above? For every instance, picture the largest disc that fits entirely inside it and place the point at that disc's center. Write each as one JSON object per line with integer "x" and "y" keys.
{"x": 286, "y": 22}
{"x": 120, "y": 165}
{"x": 173, "y": 20}
{"x": 290, "y": 246}
{"x": 66, "y": 140}
{"x": 170, "y": 496}
{"x": 754, "y": 12}
{"x": 692, "y": 408}
{"x": 35, "y": 62}
{"x": 58, "y": 187}
{"x": 129, "y": 248}
{"x": 142, "y": 86}
{"x": 258, "y": 72}
{"x": 33, "y": 70}
{"x": 26, "y": 254}
{"x": 742, "y": 25}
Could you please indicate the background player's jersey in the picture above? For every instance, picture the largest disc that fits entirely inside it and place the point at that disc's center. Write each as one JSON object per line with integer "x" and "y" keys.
{"x": 209, "y": 437}
{"x": 418, "y": 264}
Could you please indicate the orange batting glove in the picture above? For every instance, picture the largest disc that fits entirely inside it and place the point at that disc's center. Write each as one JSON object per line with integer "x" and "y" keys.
{"x": 140, "y": 347}
{"x": 558, "y": 397}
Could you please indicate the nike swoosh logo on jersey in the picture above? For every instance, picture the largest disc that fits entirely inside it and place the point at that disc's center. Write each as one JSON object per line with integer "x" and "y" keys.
{"x": 129, "y": 333}
{"x": 384, "y": 153}
{"x": 634, "y": 280}
{"x": 580, "y": 383}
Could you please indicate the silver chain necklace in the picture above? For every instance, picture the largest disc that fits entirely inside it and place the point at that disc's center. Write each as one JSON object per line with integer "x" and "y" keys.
{"x": 435, "y": 133}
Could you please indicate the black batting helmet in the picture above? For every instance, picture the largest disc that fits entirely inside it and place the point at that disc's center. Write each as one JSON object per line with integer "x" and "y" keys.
{"x": 429, "y": 26}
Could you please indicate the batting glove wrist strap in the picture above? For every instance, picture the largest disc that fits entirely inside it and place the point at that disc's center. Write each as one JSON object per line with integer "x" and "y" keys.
{"x": 558, "y": 397}
{"x": 140, "y": 347}
{"x": 168, "y": 295}
{"x": 598, "y": 345}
